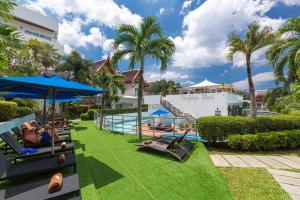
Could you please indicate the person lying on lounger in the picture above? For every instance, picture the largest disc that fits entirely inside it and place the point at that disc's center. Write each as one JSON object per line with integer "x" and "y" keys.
{"x": 32, "y": 136}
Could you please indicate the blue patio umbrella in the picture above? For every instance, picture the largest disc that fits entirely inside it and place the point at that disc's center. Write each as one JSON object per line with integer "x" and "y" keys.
{"x": 49, "y": 87}
{"x": 160, "y": 112}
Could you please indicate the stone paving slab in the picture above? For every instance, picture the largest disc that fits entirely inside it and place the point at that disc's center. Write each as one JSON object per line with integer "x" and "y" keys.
{"x": 271, "y": 162}
{"x": 253, "y": 162}
{"x": 286, "y": 161}
{"x": 289, "y": 181}
{"x": 219, "y": 161}
{"x": 235, "y": 161}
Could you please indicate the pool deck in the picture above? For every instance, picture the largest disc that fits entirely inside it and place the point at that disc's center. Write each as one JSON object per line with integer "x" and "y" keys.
{"x": 147, "y": 131}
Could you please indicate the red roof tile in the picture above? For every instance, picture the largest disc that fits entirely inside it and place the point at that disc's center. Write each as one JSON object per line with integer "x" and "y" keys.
{"x": 130, "y": 76}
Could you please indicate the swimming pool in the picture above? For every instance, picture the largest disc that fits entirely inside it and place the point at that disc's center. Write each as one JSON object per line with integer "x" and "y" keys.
{"x": 187, "y": 136}
{"x": 127, "y": 122}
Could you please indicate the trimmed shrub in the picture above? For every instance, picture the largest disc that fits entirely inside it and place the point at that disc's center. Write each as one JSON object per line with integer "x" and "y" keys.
{"x": 84, "y": 116}
{"x": 8, "y": 110}
{"x": 265, "y": 141}
{"x": 26, "y": 103}
{"x": 75, "y": 110}
{"x": 217, "y": 128}
{"x": 91, "y": 113}
{"x": 23, "y": 111}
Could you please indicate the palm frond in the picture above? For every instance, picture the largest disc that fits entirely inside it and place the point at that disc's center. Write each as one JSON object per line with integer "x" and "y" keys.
{"x": 6, "y": 8}
{"x": 9, "y": 37}
{"x": 236, "y": 45}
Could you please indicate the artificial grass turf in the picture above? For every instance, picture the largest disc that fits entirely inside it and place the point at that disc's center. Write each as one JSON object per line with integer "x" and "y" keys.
{"x": 110, "y": 167}
{"x": 252, "y": 183}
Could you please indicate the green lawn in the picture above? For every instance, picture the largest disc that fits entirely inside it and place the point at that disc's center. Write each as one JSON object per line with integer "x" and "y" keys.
{"x": 252, "y": 183}
{"x": 110, "y": 167}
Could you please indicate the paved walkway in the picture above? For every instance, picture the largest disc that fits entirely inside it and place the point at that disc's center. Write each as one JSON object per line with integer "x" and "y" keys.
{"x": 289, "y": 181}
{"x": 272, "y": 162}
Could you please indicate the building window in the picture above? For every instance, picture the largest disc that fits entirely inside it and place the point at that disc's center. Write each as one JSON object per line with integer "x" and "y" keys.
{"x": 38, "y": 35}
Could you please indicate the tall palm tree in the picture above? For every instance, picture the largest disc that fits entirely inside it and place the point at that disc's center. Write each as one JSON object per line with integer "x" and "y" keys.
{"x": 43, "y": 53}
{"x": 147, "y": 40}
{"x": 78, "y": 66}
{"x": 8, "y": 35}
{"x": 284, "y": 53}
{"x": 111, "y": 84}
{"x": 254, "y": 40}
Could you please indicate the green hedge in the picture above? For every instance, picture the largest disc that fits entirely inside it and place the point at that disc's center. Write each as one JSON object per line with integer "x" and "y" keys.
{"x": 8, "y": 110}
{"x": 265, "y": 141}
{"x": 26, "y": 103}
{"x": 23, "y": 111}
{"x": 84, "y": 116}
{"x": 218, "y": 128}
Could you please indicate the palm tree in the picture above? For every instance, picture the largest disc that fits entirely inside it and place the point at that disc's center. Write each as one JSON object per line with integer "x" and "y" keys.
{"x": 284, "y": 53}
{"x": 43, "y": 53}
{"x": 147, "y": 40}
{"x": 8, "y": 35}
{"x": 255, "y": 39}
{"x": 78, "y": 66}
{"x": 111, "y": 84}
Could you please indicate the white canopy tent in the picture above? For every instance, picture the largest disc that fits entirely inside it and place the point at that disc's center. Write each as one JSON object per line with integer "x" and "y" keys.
{"x": 204, "y": 84}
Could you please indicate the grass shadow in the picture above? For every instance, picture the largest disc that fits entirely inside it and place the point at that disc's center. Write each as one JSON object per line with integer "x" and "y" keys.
{"x": 79, "y": 145}
{"x": 93, "y": 171}
{"x": 80, "y": 128}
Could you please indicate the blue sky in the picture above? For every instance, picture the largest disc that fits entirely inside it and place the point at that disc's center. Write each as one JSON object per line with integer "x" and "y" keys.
{"x": 199, "y": 29}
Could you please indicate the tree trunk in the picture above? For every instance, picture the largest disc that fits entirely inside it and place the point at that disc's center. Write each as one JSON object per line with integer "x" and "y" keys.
{"x": 140, "y": 98}
{"x": 251, "y": 87}
{"x": 102, "y": 114}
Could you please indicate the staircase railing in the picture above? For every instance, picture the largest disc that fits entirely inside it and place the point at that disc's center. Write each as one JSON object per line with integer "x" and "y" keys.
{"x": 188, "y": 118}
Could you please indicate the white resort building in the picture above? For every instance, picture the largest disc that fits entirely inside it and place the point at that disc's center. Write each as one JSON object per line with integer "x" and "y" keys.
{"x": 34, "y": 25}
{"x": 203, "y": 99}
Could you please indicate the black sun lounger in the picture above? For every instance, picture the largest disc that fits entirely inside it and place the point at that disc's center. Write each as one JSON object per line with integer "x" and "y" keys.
{"x": 173, "y": 148}
{"x": 10, "y": 171}
{"x": 16, "y": 146}
{"x": 38, "y": 190}
{"x": 17, "y": 131}
{"x": 178, "y": 140}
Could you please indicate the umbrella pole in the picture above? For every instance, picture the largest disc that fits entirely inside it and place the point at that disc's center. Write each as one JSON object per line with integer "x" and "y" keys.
{"x": 44, "y": 113}
{"x": 53, "y": 126}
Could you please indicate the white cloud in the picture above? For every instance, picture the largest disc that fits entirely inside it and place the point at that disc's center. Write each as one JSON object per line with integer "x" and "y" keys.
{"x": 258, "y": 79}
{"x": 162, "y": 11}
{"x": 100, "y": 12}
{"x": 105, "y": 12}
{"x": 168, "y": 75}
{"x": 206, "y": 28}
{"x": 290, "y": 2}
{"x": 71, "y": 35}
{"x": 186, "y": 6}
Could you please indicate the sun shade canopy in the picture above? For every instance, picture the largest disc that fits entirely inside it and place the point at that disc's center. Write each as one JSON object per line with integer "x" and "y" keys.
{"x": 47, "y": 86}
{"x": 160, "y": 112}
{"x": 60, "y": 99}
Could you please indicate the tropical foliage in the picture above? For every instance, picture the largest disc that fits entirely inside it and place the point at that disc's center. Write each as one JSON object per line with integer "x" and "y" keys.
{"x": 137, "y": 43}
{"x": 76, "y": 66}
{"x": 255, "y": 39}
{"x": 284, "y": 53}
{"x": 164, "y": 87}
{"x": 111, "y": 84}
{"x": 8, "y": 35}
{"x": 31, "y": 59}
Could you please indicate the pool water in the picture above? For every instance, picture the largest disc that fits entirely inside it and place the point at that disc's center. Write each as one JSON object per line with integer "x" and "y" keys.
{"x": 127, "y": 122}
{"x": 187, "y": 136}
